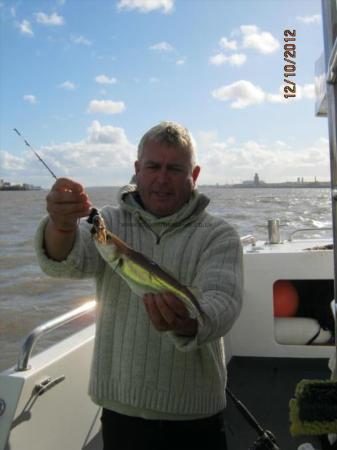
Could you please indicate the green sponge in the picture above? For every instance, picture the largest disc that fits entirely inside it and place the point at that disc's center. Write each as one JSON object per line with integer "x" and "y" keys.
{"x": 313, "y": 411}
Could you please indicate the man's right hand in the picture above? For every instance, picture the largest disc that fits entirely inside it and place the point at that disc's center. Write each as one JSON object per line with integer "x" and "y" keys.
{"x": 67, "y": 202}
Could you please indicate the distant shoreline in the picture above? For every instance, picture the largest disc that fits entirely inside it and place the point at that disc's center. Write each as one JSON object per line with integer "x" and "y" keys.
{"x": 290, "y": 185}
{"x": 20, "y": 188}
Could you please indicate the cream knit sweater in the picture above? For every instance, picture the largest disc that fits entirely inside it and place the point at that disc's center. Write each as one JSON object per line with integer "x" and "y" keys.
{"x": 137, "y": 370}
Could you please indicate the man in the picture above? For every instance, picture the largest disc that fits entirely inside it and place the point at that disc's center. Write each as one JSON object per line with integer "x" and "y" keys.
{"x": 158, "y": 374}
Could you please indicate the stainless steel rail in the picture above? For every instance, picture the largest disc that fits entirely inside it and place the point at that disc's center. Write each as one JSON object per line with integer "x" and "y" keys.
{"x": 305, "y": 230}
{"x": 332, "y": 65}
{"x": 41, "y": 330}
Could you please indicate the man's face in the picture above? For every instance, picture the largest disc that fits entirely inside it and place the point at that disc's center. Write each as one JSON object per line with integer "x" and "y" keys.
{"x": 165, "y": 178}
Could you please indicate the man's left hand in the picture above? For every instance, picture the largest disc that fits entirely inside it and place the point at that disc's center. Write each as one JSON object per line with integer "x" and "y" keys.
{"x": 168, "y": 313}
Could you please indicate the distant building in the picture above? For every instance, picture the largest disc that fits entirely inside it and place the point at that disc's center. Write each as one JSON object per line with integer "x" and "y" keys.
{"x": 255, "y": 182}
{"x": 7, "y": 186}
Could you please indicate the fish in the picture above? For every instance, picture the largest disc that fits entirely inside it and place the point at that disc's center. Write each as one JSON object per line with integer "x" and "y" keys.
{"x": 140, "y": 273}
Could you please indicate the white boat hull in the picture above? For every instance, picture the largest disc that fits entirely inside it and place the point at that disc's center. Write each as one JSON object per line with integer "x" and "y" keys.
{"x": 64, "y": 416}
{"x": 253, "y": 334}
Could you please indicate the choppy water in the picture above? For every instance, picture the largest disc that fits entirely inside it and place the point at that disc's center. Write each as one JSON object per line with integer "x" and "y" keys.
{"x": 28, "y": 297}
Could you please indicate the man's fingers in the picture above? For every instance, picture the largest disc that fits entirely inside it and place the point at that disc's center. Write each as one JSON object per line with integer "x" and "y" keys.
{"x": 69, "y": 209}
{"x": 164, "y": 318}
{"x": 57, "y": 197}
{"x": 175, "y": 305}
{"x": 164, "y": 309}
{"x": 67, "y": 202}
{"x": 67, "y": 184}
{"x": 154, "y": 313}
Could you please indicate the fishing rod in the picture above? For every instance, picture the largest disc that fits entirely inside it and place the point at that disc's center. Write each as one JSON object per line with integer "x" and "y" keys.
{"x": 35, "y": 152}
{"x": 266, "y": 440}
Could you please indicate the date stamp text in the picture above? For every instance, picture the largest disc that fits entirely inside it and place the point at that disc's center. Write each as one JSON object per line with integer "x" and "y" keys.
{"x": 289, "y": 47}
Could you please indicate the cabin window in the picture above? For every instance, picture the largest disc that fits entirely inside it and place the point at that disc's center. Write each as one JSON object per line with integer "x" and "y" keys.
{"x": 303, "y": 312}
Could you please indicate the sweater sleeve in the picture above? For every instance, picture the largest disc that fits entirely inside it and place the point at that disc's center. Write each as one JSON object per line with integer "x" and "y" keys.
{"x": 218, "y": 288}
{"x": 82, "y": 262}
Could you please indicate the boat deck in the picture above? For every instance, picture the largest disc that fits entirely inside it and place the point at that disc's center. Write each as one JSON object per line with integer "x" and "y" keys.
{"x": 265, "y": 386}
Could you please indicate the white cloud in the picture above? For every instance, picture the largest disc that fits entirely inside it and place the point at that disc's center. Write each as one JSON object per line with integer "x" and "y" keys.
{"x": 30, "y": 98}
{"x": 52, "y": 20}
{"x": 180, "y": 62}
{"x": 105, "y": 107}
{"x": 262, "y": 41}
{"x": 307, "y": 91}
{"x": 104, "y": 79}
{"x": 218, "y": 59}
{"x": 106, "y": 134}
{"x": 146, "y": 6}
{"x": 154, "y": 80}
{"x": 228, "y": 45}
{"x": 25, "y": 28}
{"x": 104, "y": 156}
{"x": 68, "y": 85}
{"x": 80, "y": 40}
{"x": 242, "y": 93}
{"x": 248, "y": 36}
{"x": 13, "y": 11}
{"x": 161, "y": 47}
{"x": 308, "y": 20}
{"x": 11, "y": 162}
{"x": 236, "y": 59}
{"x": 230, "y": 160}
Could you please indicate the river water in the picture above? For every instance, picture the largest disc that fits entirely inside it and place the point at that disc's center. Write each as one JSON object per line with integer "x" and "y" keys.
{"x": 28, "y": 297}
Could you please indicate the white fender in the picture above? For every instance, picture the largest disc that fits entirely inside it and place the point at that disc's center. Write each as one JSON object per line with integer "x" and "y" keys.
{"x": 299, "y": 331}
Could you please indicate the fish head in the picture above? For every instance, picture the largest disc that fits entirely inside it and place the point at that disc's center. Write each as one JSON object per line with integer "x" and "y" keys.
{"x": 98, "y": 229}
{"x": 98, "y": 223}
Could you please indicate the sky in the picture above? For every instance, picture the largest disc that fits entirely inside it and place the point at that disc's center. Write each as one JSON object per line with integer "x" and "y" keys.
{"x": 83, "y": 80}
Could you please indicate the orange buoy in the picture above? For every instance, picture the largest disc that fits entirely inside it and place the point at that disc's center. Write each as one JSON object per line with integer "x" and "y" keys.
{"x": 286, "y": 299}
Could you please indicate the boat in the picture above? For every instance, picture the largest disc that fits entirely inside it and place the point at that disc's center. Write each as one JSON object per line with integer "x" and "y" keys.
{"x": 43, "y": 399}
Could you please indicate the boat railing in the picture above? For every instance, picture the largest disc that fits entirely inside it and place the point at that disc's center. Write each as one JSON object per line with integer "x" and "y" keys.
{"x": 248, "y": 239}
{"x": 306, "y": 230}
{"x": 332, "y": 65}
{"x": 47, "y": 327}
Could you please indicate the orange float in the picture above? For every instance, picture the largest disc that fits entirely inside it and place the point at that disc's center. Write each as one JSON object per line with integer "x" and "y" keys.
{"x": 286, "y": 300}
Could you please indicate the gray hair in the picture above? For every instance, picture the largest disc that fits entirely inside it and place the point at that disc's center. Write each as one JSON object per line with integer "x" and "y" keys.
{"x": 171, "y": 134}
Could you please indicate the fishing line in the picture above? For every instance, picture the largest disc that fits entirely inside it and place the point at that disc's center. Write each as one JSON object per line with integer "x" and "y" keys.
{"x": 38, "y": 156}
{"x": 34, "y": 151}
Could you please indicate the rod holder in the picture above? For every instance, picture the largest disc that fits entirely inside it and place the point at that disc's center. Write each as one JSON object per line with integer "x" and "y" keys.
{"x": 274, "y": 231}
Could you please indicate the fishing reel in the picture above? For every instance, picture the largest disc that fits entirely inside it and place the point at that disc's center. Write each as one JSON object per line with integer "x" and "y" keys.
{"x": 266, "y": 441}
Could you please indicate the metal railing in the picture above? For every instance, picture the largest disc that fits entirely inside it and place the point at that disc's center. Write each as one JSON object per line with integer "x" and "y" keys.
{"x": 47, "y": 327}
{"x": 332, "y": 65}
{"x": 305, "y": 230}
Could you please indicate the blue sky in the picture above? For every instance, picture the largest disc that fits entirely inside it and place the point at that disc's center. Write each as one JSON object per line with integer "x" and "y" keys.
{"x": 84, "y": 79}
